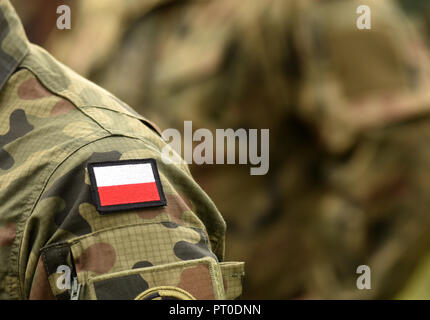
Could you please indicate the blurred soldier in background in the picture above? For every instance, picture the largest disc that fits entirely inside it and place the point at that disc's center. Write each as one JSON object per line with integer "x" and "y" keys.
{"x": 348, "y": 112}
{"x": 419, "y": 12}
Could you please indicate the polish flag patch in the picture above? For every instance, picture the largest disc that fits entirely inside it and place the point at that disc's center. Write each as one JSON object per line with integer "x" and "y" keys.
{"x": 126, "y": 184}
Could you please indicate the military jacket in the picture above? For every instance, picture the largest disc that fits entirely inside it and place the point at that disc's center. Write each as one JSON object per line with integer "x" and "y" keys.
{"x": 54, "y": 242}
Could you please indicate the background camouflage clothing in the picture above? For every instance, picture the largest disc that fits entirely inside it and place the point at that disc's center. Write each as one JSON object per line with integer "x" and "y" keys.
{"x": 53, "y": 122}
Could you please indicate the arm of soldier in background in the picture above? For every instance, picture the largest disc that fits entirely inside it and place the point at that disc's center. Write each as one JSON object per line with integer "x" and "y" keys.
{"x": 365, "y": 93}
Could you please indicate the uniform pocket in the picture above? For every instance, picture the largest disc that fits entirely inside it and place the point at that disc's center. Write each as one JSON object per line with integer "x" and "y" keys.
{"x": 144, "y": 261}
{"x": 187, "y": 280}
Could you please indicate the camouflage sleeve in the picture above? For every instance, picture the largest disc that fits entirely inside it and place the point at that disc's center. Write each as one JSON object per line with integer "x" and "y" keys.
{"x": 172, "y": 251}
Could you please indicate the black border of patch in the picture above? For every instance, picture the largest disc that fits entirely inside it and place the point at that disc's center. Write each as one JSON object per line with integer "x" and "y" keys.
{"x": 129, "y": 206}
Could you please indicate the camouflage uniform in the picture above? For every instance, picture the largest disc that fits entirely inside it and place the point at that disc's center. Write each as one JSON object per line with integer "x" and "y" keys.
{"x": 418, "y": 286}
{"x": 348, "y": 112}
{"x": 53, "y": 124}
{"x": 419, "y": 12}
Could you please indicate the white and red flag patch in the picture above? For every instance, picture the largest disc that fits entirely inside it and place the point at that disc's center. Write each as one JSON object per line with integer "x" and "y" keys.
{"x": 126, "y": 184}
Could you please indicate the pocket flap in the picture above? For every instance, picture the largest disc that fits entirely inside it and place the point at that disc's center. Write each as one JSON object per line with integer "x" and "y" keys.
{"x": 194, "y": 279}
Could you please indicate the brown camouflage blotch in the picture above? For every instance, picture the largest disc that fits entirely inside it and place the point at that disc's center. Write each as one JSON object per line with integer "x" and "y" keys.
{"x": 62, "y": 107}
{"x": 197, "y": 281}
{"x": 394, "y": 187}
{"x": 174, "y": 208}
{"x": 99, "y": 257}
{"x": 149, "y": 214}
{"x": 40, "y": 289}
{"x": 31, "y": 89}
{"x": 7, "y": 234}
{"x": 187, "y": 202}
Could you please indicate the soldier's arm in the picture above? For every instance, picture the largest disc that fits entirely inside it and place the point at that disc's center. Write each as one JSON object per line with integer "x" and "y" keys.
{"x": 125, "y": 254}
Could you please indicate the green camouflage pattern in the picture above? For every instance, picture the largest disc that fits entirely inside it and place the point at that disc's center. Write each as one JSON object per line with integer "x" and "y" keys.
{"x": 181, "y": 275}
{"x": 348, "y": 112}
{"x": 418, "y": 287}
{"x": 419, "y": 13}
{"x": 53, "y": 123}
